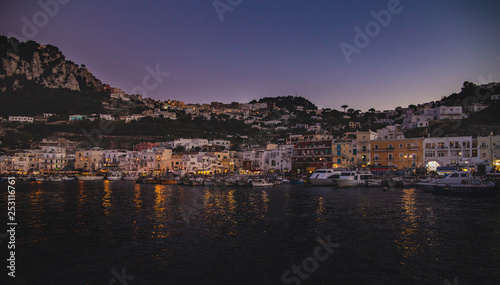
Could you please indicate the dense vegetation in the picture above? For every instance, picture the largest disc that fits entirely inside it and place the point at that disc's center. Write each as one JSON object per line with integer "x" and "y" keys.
{"x": 34, "y": 99}
{"x": 288, "y": 102}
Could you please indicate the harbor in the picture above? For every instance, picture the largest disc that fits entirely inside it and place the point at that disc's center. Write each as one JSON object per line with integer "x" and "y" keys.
{"x": 191, "y": 234}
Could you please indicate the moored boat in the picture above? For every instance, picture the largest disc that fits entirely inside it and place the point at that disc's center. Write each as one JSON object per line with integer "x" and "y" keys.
{"x": 89, "y": 177}
{"x": 324, "y": 177}
{"x": 208, "y": 182}
{"x": 260, "y": 182}
{"x": 453, "y": 179}
{"x": 197, "y": 181}
{"x": 53, "y": 179}
{"x": 245, "y": 183}
{"x": 354, "y": 178}
{"x": 218, "y": 182}
{"x": 470, "y": 187}
{"x": 114, "y": 176}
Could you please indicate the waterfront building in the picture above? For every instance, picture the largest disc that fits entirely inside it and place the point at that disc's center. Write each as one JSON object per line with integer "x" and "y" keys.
{"x": 489, "y": 150}
{"x": 89, "y": 160}
{"x": 311, "y": 152}
{"x": 364, "y": 141}
{"x": 5, "y": 163}
{"x": 53, "y": 158}
{"x": 111, "y": 159}
{"x": 278, "y": 158}
{"x": 450, "y": 151}
{"x": 397, "y": 153}
{"x": 344, "y": 153}
{"x": 26, "y": 161}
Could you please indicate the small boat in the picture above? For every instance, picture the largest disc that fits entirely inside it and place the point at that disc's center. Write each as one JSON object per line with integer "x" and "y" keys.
{"x": 187, "y": 181}
{"x": 260, "y": 182}
{"x": 40, "y": 178}
{"x": 373, "y": 182}
{"x": 115, "y": 176}
{"x": 245, "y": 183}
{"x": 67, "y": 178}
{"x": 3, "y": 179}
{"x": 197, "y": 181}
{"x": 470, "y": 187}
{"x": 130, "y": 176}
{"x": 53, "y": 179}
{"x": 89, "y": 177}
{"x": 168, "y": 181}
{"x": 218, "y": 182}
{"x": 230, "y": 182}
{"x": 354, "y": 178}
{"x": 208, "y": 182}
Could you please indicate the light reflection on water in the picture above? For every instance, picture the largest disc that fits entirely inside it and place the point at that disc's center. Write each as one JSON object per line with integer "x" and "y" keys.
{"x": 252, "y": 234}
{"x": 407, "y": 244}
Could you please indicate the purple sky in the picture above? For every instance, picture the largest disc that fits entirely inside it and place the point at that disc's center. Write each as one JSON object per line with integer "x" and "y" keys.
{"x": 273, "y": 48}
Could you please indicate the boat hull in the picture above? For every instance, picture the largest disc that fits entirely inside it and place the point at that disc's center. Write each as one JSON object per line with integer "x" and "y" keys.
{"x": 322, "y": 182}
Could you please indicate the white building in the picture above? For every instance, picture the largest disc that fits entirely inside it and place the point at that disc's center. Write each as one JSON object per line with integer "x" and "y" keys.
{"x": 489, "y": 150}
{"x": 450, "y": 151}
{"x": 225, "y": 143}
{"x": 107, "y": 117}
{"x": 278, "y": 158}
{"x": 27, "y": 160}
{"x": 53, "y": 158}
{"x": 449, "y": 112}
{"x": 391, "y": 132}
{"x": 21, "y": 119}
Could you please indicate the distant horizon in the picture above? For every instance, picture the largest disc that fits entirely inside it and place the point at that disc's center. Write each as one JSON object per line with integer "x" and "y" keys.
{"x": 362, "y": 54}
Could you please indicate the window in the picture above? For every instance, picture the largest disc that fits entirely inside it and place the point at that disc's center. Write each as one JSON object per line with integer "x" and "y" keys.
{"x": 430, "y": 154}
{"x": 483, "y": 144}
{"x": 400, "y": 154}
{"x": 390, "y": 157}
{"x": 390, "y": 146}
{"x": 375, "y": 147}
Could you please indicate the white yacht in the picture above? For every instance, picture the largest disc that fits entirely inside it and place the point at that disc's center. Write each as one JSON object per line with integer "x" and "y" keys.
{"x": 325, "y": 176}
{"x": 452, "y": 179}
{"x": 354, "y": 178}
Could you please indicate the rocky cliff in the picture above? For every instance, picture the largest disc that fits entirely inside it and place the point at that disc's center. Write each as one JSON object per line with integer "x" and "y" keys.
{"x": 25, "y": 62}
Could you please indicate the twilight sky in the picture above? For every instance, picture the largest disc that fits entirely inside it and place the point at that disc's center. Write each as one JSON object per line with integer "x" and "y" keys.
{"x": 246, "y": 50}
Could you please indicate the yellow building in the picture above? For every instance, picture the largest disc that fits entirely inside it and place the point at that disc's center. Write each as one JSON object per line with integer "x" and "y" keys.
{"x": 89, "y": 159}
{"x": 364, "y": 142}
{"x": 344, "y": 154}
{"x": 398, "y": 153}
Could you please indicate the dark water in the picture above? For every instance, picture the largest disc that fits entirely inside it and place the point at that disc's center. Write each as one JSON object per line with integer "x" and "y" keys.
{"x": 85, "y": 232}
